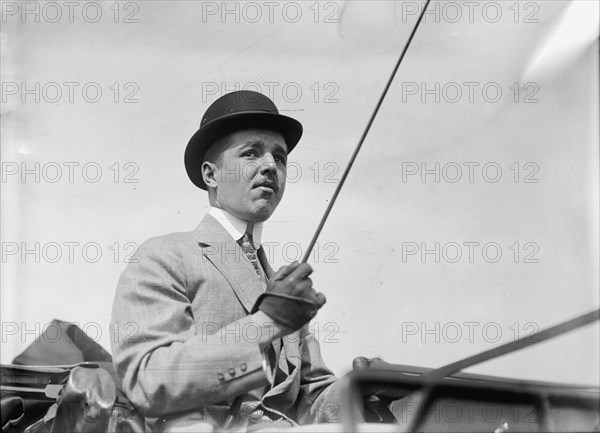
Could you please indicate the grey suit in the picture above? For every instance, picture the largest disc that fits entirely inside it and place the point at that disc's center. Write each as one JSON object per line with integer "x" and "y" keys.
{"x": 191, "y": 344}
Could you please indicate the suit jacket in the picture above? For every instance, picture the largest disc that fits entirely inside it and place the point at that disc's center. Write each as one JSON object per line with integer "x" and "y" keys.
{"x": 184, "y": 339}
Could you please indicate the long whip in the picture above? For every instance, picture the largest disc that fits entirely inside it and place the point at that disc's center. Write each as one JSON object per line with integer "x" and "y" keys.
{"x": 362, "y": 138}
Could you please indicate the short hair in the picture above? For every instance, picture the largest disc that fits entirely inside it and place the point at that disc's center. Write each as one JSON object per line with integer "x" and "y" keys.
{"x": 214, "y": 152}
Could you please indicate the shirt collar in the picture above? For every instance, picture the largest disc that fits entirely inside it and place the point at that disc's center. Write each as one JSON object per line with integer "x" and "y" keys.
{"x": 235, "y": 226}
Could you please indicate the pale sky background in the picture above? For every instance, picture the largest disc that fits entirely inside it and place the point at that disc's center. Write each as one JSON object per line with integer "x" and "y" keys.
{"x": 180, "y": 56}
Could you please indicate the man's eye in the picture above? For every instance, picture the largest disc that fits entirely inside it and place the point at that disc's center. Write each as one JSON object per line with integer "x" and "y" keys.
{"x": 280, "y": 159}
{"x": 249, "y": 153}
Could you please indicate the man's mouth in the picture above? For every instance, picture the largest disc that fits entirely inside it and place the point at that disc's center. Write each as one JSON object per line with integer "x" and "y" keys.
{"x": 268, "y": 186}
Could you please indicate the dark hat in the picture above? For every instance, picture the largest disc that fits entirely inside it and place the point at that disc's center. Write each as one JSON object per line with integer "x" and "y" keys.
{"x": 233, "y": 112}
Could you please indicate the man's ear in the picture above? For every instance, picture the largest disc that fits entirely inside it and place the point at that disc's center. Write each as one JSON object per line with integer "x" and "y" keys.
{"x": 209, "y": 174}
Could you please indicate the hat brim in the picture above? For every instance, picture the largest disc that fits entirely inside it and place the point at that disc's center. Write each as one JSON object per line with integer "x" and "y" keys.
{"x": 211, "y": 132}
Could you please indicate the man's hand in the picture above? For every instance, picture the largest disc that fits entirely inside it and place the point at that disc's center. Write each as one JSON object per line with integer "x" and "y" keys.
{"x": 290, "y": 299}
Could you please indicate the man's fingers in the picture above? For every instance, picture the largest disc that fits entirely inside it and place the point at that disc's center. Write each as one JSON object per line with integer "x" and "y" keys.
{"x": 360, "y": 364}
{"x": 301, "y": 272}
{"x": 317, "y": 298}
{"x": 320, "y": 299}
{"x": 303, "y": 289}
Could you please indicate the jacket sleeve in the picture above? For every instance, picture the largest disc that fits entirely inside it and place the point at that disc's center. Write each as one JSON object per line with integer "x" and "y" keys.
{"x": 319, "y": 388}
{"x": 166, "y": 362}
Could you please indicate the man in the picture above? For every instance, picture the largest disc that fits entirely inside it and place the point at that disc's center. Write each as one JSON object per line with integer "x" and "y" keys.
{"x": 213, "y": 331}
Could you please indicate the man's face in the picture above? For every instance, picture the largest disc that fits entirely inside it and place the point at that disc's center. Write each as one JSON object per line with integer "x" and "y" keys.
{"x": 249, "y": 173}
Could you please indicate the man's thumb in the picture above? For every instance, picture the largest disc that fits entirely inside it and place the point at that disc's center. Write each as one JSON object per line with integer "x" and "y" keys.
{"x": 285, "y": 271}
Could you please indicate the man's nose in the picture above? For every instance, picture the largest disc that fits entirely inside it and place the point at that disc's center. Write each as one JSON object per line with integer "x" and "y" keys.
{"x": 268, "y": 165}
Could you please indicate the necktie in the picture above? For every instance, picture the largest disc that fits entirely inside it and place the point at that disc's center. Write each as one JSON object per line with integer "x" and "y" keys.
{"x": 274, "y": 348}
{"x": 250, "y": 251}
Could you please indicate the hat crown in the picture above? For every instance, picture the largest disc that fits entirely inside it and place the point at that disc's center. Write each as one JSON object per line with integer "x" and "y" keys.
{"x": 238, "y": 102}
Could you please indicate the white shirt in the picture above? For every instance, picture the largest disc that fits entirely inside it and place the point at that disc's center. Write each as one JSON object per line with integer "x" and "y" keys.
{"x": 235, "y": 226}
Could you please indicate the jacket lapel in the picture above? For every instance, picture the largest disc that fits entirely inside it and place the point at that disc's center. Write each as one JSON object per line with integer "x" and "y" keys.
{"x": 227, "y": 256}
{"x": 262, "y": 258}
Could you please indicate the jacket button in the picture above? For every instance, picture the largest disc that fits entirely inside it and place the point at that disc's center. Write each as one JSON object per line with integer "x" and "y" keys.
{"x": 243, "y": 367}
{"x": 231, "y": 372}
{"x": 221, "y": 377}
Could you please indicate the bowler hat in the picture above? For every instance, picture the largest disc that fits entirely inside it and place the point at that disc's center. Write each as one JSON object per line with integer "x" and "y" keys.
{"x": 233, "y": 112}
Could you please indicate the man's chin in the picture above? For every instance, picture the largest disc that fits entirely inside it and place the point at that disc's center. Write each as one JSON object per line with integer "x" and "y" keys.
{"x": 259, "y": 217}
{"x": 262, "y": 213}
